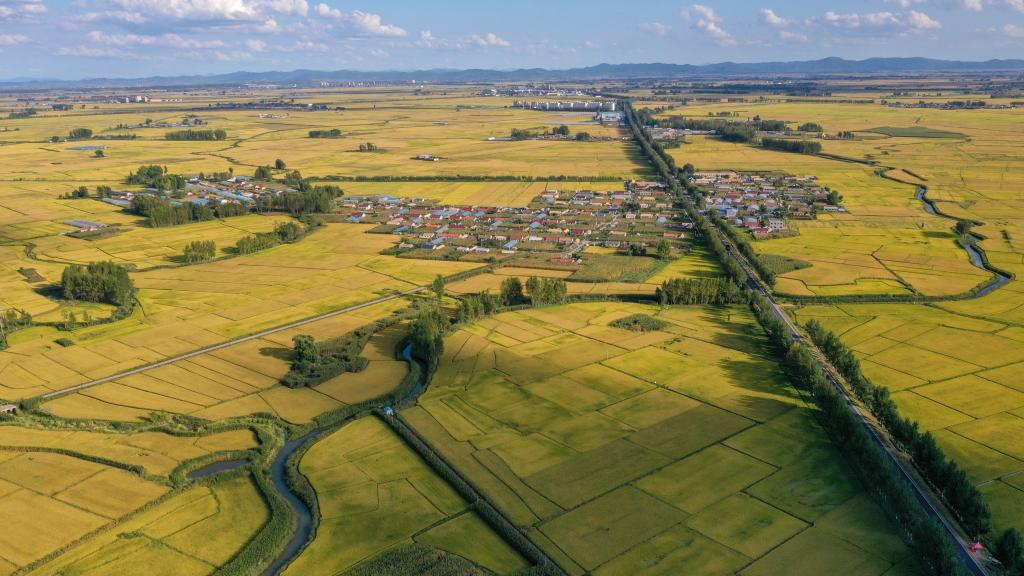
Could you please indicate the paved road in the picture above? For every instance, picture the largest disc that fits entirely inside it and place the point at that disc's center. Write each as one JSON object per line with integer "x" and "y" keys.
{"x": 924, "y": 496}
{"x": 172, "y": 359}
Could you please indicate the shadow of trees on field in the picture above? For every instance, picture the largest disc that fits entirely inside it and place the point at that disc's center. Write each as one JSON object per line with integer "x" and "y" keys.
{"x": 286, "y": 354}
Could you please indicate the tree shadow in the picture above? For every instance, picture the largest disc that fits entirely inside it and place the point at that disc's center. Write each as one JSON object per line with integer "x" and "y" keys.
{"x": 286, "y": 354}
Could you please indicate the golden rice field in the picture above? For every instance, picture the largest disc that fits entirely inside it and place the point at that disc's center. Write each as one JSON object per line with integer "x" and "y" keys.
{"x": 952, "y": 366}
{"x": 244, "y": 379}
{"x": 191, "y": 533}
{"x": 185, "y": 308}
{"x": 157, "y": 453}
{"x": 957, "y": 375}
{"x": 53, "y": 500}
{"x": 376, "y": 493}
{"x": 675, "y": 451}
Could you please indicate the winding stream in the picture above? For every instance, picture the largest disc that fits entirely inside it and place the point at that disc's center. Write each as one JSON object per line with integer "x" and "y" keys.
{"x": 301, "y": 512}
{"x": 975, "y": 255}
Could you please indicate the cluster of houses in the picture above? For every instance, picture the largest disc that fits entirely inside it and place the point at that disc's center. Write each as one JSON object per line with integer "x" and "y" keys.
{"x": 951, "y": 105}
{"x": 566, "y": 105}
{"x": 556, "y": 226}
{"x": 205, "y": 191}
{"x": 533, "y": 90}
{"x": 665, "y": 133}
{"x": 762, "y": 203}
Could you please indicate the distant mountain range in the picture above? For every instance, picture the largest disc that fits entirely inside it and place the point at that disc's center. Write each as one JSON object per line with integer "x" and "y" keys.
{"x": 824, "y": 67}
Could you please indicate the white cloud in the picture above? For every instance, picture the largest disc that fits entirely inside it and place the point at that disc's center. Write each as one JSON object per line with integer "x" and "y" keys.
{"x": 365, "y": 23}
{"x": 972, "y": 5}
{"x": 1017, "y": 5}
{"x": 123, "y": 16}
{"x": 788, "y": 36}
{"x": 489, "y": 39}
{"x": 905, "y": 3}
{"x": 921, "y": 21}
{"x": 372, "y": 25}
{"x": 140, "y": 11}
{"x": 769, "y": 17}
{"x": 20, "y": 9}
{"x": 305, "y": 46}
{"x": 877, "y": 21}
{"x": 705, "y": 19}
{"x": 171, "y": 40}
{"x": 1013, "y": 31}
{"x": 656, "y": 28}
{"x": 256, "y": 45}
{"x": 12, "y": 39}
{"x": 94, "y": 52}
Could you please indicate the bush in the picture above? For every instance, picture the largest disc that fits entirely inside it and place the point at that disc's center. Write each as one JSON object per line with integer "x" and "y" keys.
{"x": 65, "y": 342}
{"x": 640, "y": 323}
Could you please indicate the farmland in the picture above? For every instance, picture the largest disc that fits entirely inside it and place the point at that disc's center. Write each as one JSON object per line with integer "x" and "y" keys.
{"x": 619, "y": 449}
{"x": 682, "y": 448}
{"x": 950, "y": 366}
{"x": 375, "y": 493}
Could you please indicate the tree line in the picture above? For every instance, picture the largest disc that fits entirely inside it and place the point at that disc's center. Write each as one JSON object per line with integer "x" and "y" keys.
{"x": 952, "y": 483}
{"x": 742, "y": 243}
{"x": 332, "y": 133}
{"x": 192, "y": 134}
{"x": 284, "y": 233}
{"x": 878, "y": 474}
{"x": 788, "y": 145}
{"x": 162, "y": 212}
{"x": 714, "y": 291}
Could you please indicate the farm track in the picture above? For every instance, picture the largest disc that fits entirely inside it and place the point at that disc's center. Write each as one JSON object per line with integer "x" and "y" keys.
{"x": 222, "y": 345}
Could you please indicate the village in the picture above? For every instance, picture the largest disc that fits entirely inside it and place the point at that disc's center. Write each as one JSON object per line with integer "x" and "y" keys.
{"x": 203, "y": 190}
{"x": 762, "y": 203}
{"x": 556, "y": 227}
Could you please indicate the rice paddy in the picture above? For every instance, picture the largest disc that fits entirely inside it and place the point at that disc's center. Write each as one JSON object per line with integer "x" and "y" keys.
{"x": 622, "y": 451}
{"x": 375, "y": 493}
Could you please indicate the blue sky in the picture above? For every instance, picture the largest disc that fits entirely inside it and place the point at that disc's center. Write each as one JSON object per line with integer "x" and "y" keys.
{"x": 73, "y": 39}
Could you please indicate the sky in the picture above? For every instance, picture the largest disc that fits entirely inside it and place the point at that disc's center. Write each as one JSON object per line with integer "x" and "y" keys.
{"x": 73, "y": 39}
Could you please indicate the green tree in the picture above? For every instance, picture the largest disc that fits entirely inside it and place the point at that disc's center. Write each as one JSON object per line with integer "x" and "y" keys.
{"x": 279, "y": 164}
{"x": 1009, "y": 551}
{"x": 963, "y": 227}
{"x": 437, "y": 286}
{"x": 512, "y": 291}
{"x": 80, "y": 134}
{"x": 98, "y": 153}
{"x": 663, "y": 249}
{"x": 263, "y": 173}
{"x": 199, "y": 251}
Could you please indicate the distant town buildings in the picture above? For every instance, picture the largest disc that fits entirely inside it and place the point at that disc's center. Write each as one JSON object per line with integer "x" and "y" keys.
{"x": 569, "y": 106}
